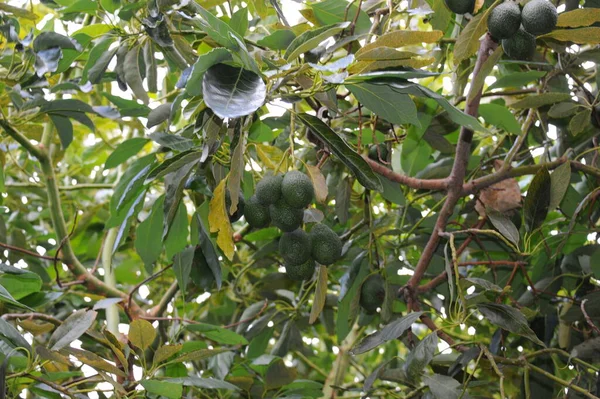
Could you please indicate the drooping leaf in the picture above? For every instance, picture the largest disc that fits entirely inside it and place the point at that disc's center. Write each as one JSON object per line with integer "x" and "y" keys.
{"x": 384, "y": 101}
{"x": 176, "y": 225}
{"x": 516, "y": 79}
{"x": 165, "y": 352}
{"x": 131, "y": 183}
{"x": 125, "y": 151}
{"x": 508, "y": 318}
{"x": 64, "y": 127}
{"x": 98, "y": 60}
{"x": 420, "y": 356}
{"x": 12, "y": 337}
{"x": 141, "y": 334}
{"x": 239, "y": 21}
{"x": 319, "y": 183}
{"x": 486, "y": 68}
{"x": 158, "y": 115}
{"x": 537, "y": 201}
{"x": 340, "y": 148}
{"x": 72, "y": 328}
{"x": 167, "y": 389}
{"x": 6, "y": 297}
{"x": 237, "y": 164}
{"x": 349, "y": 295}
{"x": 219, "y": 221}
{"x": 148, "y": 237}
{"x": 133, "y": 75}
{"x": 559, "y": 182}
{"x": 580, "y": 121}
{"x": 232, "y": 92}
{"x": 589, "y": 35}
{"x": 311, "y": 39}
{"x": 562, "y": 110}
{"x": 278, "y": 375}
{"x": 208, "y": 251}
{"x": 172, "y": 141}
{"x": 467, "y": 42}
{"x": 504, "y": 225}
{"x": 320, "y": 295}
{"x": 500, "y": 116}
{"x": 182, "y": 266}
{"x": 443, "y": 387}
{"x": 389, "y": 332}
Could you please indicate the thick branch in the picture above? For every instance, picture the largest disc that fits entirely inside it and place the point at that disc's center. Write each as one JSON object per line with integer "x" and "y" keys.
{"x": 21, "y": 139}
{"x": 419, "y": 184}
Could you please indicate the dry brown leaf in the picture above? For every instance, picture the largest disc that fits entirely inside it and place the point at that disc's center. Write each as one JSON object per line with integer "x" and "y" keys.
{"x": 502, "y": 196}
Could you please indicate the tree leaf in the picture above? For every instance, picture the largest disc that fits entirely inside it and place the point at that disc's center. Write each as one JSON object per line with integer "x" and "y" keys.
{"x": 64, "y": 127}
{"x": 173, "y": 164}
{"x": 389, "y": 332}
{"x": 504, "y": 225}
{"x": 560, "y": 180}
{"x": 208, "y": 251}
{"x": 535, "y": 206}
{"x": 349, "y": 293}
{"x": 401, "y": 38}
{"x": 320, "y": 295}
{"x": 562, "y": 110}
{"x": 149, "y": 234}
{"x": 204, "y": 383}
{"x": 217, "y": 55}
{"x": 311, "y": 39}
{"x": 71, "y": 328}
{"x": 131, "y": 183}
{"x": 98, "y": 60}
{"x": 7, "y": 298}
{"x": 12, "y": 337}
{"x": 125, "y": 151}
{"x": 384, "y": 101}
{"x": 236, "y": 168}
{"x": 580, "y": 121}
{"x": 158, "y": 115}
{"x": 516, "y": 79}
{"x": 509, "y": 319}
{"x": 319, "y": 183}
{"x": 232, "y": 92}
{"x": 478, "y": 81}
{"x": 467, "y": 42}
{"x": 198, "y": 355}
{"x": 218, "y": 334}
{"x": 167, "y": 389}
{"x": 218, "y": 30}
{"x": 334, "y": 11}
{"x": 278, "y": 375}
{"x": 443, "y": 387}
{"x": 165, "y": 352}
{"x": 239, "y": 21}
{"x": 132, "y": 74}
{"x": 141, "y": 334}
{"x": 278, "y": 40}
{"x": 93, "y": 360}
{"x": 177, "y": 229}
{"x": 540, "y": 100}
{"x": 420, "y": 356}
{"x": 500, "y": 116}
{"x": 46, "y": 40}
{"x": 578, "y": 36}
{"x": 182, "y": 266}
{"x": 578, "y": 17}
{"x": 21, "y": 285}
{"x": 218, "y": 221}
{"x": 172, "y": 141}
{"x": 340, "y": 148}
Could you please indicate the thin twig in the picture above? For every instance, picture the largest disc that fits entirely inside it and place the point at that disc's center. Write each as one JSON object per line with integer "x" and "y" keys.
{"x": 25, "y": 251}
{"x": 588, "y": 318}
{"x": 150, "y": 278}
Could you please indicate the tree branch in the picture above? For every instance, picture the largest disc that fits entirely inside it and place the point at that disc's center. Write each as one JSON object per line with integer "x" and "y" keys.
{"x": 21, "y": 139}
{"x": 419, "y": 184}
{"x": 164, "y": 301}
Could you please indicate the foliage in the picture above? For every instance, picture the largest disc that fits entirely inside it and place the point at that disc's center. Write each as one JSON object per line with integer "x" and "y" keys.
{"x": 131, "y": 129}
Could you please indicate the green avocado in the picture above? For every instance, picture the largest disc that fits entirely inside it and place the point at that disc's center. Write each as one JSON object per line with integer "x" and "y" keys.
{"x": 505, "y": 20}
{"x": 372, "y": 293}
{"x": 521, "y": 46}
{"x": 303, "y": 271}
{"x": 539, "y": 17}
{"x": 375, "y": 155}
{"x": 294, "y": 247}
{"x": 326, "y": 245}
{"x": 268, "y": 189}
{"x": 256, "y": 214}
{"x": 461, "y": 6}
{"x": 297, "y": 189}
{"x": 285, "y": 217}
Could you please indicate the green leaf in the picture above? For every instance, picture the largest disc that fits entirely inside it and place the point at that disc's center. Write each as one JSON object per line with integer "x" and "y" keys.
{"x": 132, "y": 74}
{"x": 46, "y": 40}
{"x": 562, "y": 110}
{"x": 384, "y": 101}
{"x": 509, "y": 319}
{"x": 392, "y": 75}
{"x": 125, "y": 151}
{"x": 232, "y": 92}
{"x": 93, "y": 360}
{"x": 64, "y": 127}
{"x": 278, "y": 375}
{"x": 559, "y": 181}
{"x": 7, "y": 298}
{"x": 237, "y": 164}
{"x": 278, "y": 40}
{"x": 158, "y": 115}
{"x": 71, "y": 329}
{"x": 580, "y": 122}
{"x": 128, "y": 107}
{"x": 239, "y": 21}
{"x": 415, "y": 149}
{"x": 182, "y": 266}
{"x": 420, "y": 356}
{"x": 18, "y": 11}
{"x": 209, "y": 251}
{"x": 131, "y": 183}
{"x": 98, "y": 60}
{"x": 311, "y": 39}
{"x": 173, "y": 164}
{"x": 389, "y": 332}
{"x": 340, "y": 148}
{"x": 443, "y": 387}
{"x": 172, "y": 141}
{"x": 500, "y": 116}
{"x": 578, "y": 17}
{"x": 540, "y": 100}
{"x": 167, "y": 389}
{"x": 194, "y": 84}
{"x": 320, "y": 295}
{"x": 177, "y": 228}
{"x": 577, "y": 36}
{"x": 198, "y": 355}
{"x": 351, "y": 283}
{"x": 21, "y": 285}
{"x": 401, "y": 38}
{"x": 12, "y": 337}
{"x": 218, "y": 30}
{"x": 537, "y": 201}
{"x": 467, "y": 42}
{"x": 204, "y": 383}
{"x": 330, "y": 12}
{"x": 165, "y": 352}
{"x": 486, "y": 285}
{"x": 504, "y": 225}
{"x": 141, "y": 334}
{"x": 517, "y": 79}
{"x": 218, "y": 334}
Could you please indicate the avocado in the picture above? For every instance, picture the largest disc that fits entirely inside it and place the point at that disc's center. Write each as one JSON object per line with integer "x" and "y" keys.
{"x": 461, "y": 6}
{"x": 297, "y": 189}
{"x": 326, "y": 245}
{"x": 372, "y": 293}
{"x": 268, "y": 189}
{"x": 285, "y": 217}
{"x": 505, "y": 20}
{"x": 378, "y": 155}
{"x": 256, "y": 214}
{"x": 294, "y": 247}
{"x": 539, "y": 17}
{"x": 521, "y": 46}
{"x": 303, "y": 271}
{"x": 240, "y": 207}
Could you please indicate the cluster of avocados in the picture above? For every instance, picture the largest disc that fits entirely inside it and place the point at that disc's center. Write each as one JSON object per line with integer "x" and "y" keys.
{"x": 518, "y": 28}
{"x": 280, "y": 200}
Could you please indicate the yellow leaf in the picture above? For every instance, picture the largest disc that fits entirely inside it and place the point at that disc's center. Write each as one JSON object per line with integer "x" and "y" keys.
{"x": 318, "y": 181}
{"x": 141, "y": 334}
{"x": 219, "y": 221}
{"x": 269, "y": 155}
{"x": 36, "y": 328}
{"x": 579, "y": 36}
{"x": 478, "y": 5}
{"x": 385, "y": 54}
{"x": 579, "y": 17}
{"x": 467, "y": 42}
{"x": 401, "y": 38}
{"x": 320, "y": 295}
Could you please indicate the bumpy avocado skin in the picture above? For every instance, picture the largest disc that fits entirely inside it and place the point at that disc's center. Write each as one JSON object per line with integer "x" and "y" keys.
{"x": 300, "y": 272}
{"x": 521, "y": 46}
{"x": 504, "y": 21}
{"x": 285, "y": 217}
{"x": 326, "y": 245}
{"x": 461, "y": 6}
{"x": 383, "y": 152}
{"x": 297, "y": 189}
{"x": 372, "y": 293}
{"x": 268, "y": 189}
{"x": 256, "y": 214}
{"x": 539, "y": 17}
{"x": 295, "y": 247}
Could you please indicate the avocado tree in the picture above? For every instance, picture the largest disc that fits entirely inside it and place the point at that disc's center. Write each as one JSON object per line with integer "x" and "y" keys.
{"x": 285, "y": 199}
